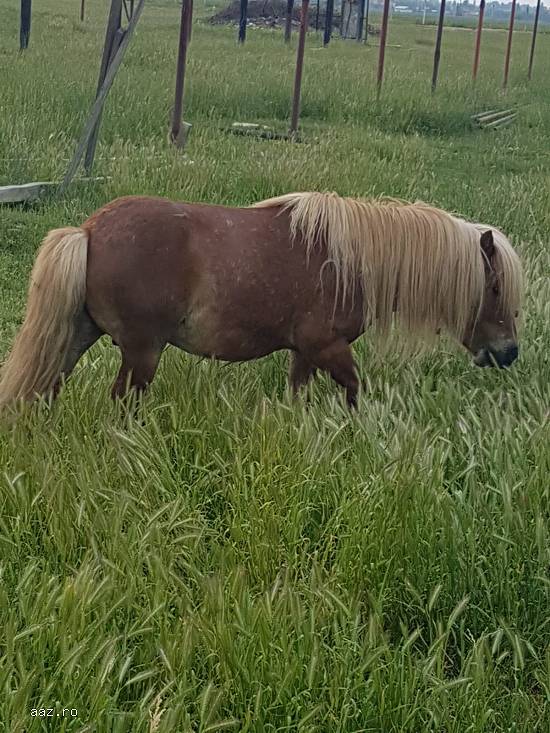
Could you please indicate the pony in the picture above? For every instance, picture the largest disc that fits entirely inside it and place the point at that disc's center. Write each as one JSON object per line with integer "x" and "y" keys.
{"x": 307, "y": 272}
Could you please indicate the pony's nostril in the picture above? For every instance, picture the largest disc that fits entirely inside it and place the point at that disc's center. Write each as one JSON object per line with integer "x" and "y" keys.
{"x": 507, "y": 356}
{"x": 512, "y": 353}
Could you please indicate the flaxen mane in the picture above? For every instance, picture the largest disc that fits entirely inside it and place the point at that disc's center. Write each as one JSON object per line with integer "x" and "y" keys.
{"x": 413, "y": 260}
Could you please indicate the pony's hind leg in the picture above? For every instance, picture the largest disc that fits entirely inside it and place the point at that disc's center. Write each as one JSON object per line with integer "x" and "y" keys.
{"x": 337, "y": 360}
{"x": 87, "y": 332}
{"x": 139, "y": 364}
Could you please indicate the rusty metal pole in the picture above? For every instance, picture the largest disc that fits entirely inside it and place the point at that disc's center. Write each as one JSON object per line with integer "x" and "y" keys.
{"x": 437, "y": 52}
{"x": 478, "y": 38}
{"x": 360, "y": 20}
{"x": 533, "y": 41}
{"x": 382, "y": 52}
{"x": 180, "y": 69}
{"x": 25, "y": 27}
{"x": 509, "y": 44}
{"x": 82, "y": 10}
{"x": 190, "y": 27}
{"x": 367, "y": 22}
{"x": 329, "y": 12}
{"x": 299, "y": 68}
{"x": 242, "y": 20}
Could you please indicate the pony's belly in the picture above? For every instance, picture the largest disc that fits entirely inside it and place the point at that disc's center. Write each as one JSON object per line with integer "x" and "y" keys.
{"x": 234, "y": 346}
{"x": 204, "y": 332}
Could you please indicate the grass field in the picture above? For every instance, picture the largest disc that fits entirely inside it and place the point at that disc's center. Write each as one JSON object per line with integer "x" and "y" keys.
{"x": 236, "y": 561}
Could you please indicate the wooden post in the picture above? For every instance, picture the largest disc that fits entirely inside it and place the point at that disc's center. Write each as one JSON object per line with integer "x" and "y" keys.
{"x": 82, "y": 10}
{"x": 92, "y": 144}
{"x": 367, "y": 22}
{"x": 186, "y": 10}
{"x": 360, "y": 19}
{"x": 509, "y": 44}
{"x": 382, "y": 52}
{"x": 437, "y": 52}
{"x": 299, "y": 67}
{"x": 288, "y": 20}
{"x": 329, "y": 12}
{"x": 93, "y": 118}
{"x": 242, "y": 20}
{"x": 317, "y": 17}
{"x": 533, "y": 41}
{"x": 25, "y": 27}
{"x": 109, "y": 50}
{"x": 128, "y": 8}
{"x": 478, "y": 38}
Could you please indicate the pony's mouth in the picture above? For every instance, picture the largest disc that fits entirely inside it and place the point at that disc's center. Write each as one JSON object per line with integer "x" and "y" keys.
{"x": 500, "y": 359}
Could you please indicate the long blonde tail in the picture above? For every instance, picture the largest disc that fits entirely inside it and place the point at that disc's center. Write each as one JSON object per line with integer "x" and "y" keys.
{"x": 57, "y": 293}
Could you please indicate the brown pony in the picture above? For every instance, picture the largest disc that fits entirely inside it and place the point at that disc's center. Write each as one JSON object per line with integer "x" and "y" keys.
{"x": 306, "y": 272}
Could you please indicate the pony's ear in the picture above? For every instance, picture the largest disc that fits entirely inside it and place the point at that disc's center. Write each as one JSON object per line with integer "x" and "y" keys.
{"x": 488, "y": 245}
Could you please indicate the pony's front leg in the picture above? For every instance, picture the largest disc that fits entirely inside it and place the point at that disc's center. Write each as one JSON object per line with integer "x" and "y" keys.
{"x": 337, "y": 360}
{"x": 301, "y": 371}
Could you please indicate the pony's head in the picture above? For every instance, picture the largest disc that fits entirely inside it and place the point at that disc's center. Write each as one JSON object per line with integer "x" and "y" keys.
{"x": 492, "y": 335}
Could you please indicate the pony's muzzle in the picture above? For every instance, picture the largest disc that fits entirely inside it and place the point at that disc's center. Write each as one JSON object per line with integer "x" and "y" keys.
{"x": 500, "y": 358}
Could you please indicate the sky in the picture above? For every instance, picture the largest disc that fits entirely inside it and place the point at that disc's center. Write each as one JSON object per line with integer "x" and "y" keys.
{"x": 533, "y": 3}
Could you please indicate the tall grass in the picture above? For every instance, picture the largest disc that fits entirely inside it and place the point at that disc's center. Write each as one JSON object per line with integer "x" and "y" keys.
{"x": 232, "y": 560}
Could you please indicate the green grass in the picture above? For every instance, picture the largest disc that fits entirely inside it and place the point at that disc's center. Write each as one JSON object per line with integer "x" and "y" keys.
{"x": 233, "y": 560}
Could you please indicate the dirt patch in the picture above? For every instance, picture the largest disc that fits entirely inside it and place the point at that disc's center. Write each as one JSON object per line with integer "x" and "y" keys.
{"x": 272, "y": 14}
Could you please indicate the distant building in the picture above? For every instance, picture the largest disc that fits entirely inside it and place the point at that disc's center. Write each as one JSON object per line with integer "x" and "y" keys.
{"x": 495, "y": 11}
